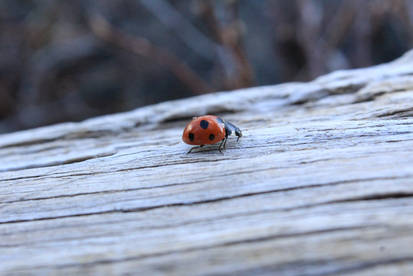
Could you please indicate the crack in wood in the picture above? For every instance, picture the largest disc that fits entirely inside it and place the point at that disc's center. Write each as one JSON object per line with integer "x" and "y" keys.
{"x": 318, "y": 267}
{"x": 223, "y": 244}
{"x": 223, "y": 198}
{"x": 368, "y": 265}
{"x": 401, "y": 112}
{"x": 197, "y": 221}
{"x": 59, "y": 162}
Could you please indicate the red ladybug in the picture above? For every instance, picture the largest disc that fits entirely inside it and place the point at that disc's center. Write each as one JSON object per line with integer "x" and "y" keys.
{"x": 207, "y": 130}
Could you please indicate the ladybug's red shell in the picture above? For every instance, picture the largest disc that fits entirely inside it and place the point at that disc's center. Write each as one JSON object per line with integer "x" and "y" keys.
{"x": 204, "y": 130}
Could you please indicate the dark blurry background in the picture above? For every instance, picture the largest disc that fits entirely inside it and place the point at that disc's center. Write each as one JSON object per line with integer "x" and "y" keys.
{"x": 70, "y": 60}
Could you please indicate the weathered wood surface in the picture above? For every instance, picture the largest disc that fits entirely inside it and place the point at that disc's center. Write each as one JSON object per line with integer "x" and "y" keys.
{"x": 321, "y": 183}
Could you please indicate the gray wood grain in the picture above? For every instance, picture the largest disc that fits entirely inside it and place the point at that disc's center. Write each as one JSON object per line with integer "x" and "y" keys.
{"x": 321, "y": 183}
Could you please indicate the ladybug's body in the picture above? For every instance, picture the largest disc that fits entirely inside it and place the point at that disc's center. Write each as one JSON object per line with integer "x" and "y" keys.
{"x": 209, "y": 129}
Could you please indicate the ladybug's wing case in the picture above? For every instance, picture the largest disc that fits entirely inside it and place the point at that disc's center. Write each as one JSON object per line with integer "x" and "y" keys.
{"x": 204, "y": 130}
{"x": 209, "y": 129}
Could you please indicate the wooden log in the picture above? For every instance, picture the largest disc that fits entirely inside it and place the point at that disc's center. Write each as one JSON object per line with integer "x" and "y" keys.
{"x": 321, "y": 183}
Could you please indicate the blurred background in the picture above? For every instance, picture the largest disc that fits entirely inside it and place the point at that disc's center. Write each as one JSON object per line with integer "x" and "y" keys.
{"x": 70, "y": 60}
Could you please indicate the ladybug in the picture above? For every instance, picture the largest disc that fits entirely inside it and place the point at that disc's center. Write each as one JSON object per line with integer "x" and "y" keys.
{"x": 207, "y": 130}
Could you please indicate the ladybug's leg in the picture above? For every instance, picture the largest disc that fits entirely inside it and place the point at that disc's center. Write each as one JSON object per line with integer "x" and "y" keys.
{"x": 222, "y": 144}
{"x": 194, "y": 148}
{"x": 227, "y": 133}
{"x": 238, "y": 133}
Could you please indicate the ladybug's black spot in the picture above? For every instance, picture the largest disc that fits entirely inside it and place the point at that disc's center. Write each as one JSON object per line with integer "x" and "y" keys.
{"x": 211, "y": 137}
{"x": 191, "y": 136}
{"x": 204, "y": 124}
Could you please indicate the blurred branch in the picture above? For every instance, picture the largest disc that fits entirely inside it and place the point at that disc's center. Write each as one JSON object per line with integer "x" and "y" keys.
{"x": 340, "y": 24}
{"x": 173, "y": 20}
{"x": 235, "y": 42}
{"x": 362, "y": 33}
{"x": 141, "y": 46}
{"x": 197, "y": 41}
{"x": 310, "y": 30}
{"x": 207, "y": 14}
{"x": 408, "y": 15}
{"x": 230, "y": 37}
